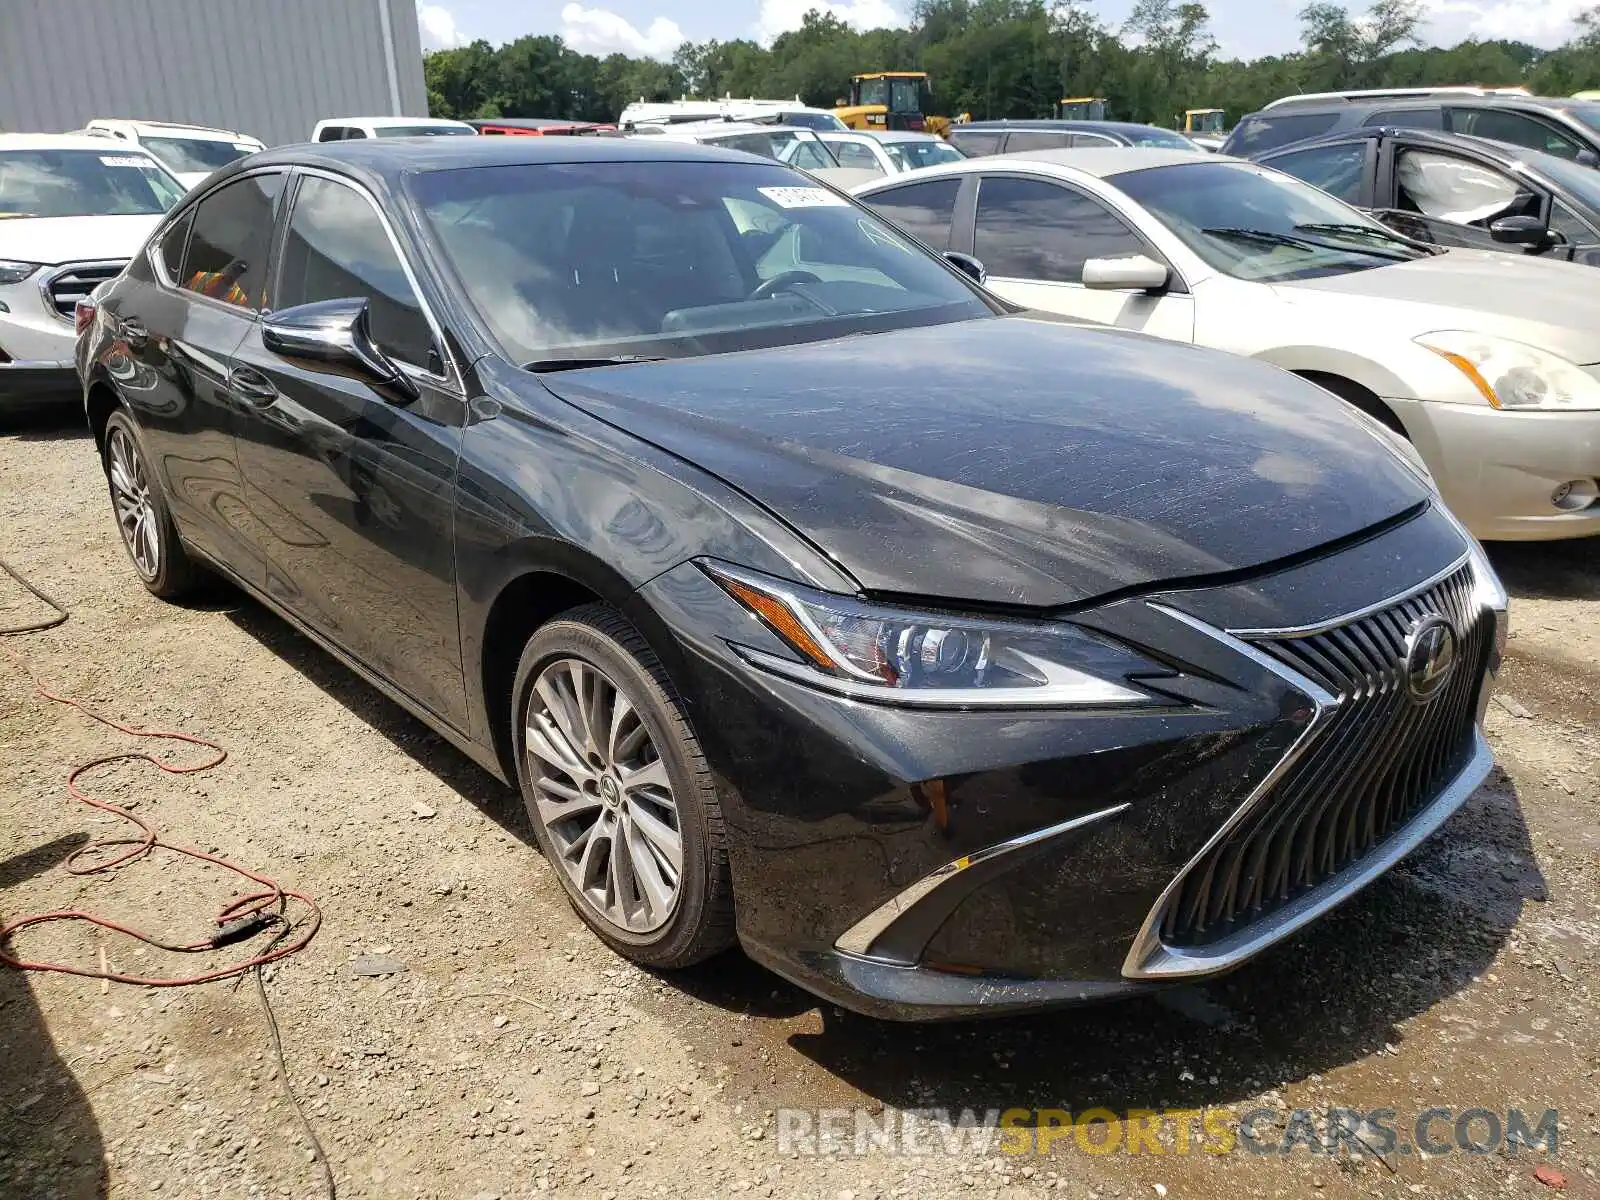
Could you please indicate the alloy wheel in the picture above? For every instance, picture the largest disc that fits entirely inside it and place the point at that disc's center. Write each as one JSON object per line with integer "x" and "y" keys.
{"x": 136, "y": 511}
{"x": 604, "y": 796}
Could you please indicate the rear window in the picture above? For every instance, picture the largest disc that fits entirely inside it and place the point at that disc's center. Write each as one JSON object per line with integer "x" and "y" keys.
{"x": 976, "y": 143}
{"x": 1268, "y": 131}
{"x": 1409, "y": 118}
{"x": 190, "y": 156}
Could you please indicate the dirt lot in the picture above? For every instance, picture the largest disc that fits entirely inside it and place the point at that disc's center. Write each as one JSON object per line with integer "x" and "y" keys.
{"x": 514, "y": 1055}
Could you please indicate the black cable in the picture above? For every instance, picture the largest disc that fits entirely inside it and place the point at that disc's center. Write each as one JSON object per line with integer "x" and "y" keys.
{"x": 49, "y": 623}
{"x": 283, "y": 1072}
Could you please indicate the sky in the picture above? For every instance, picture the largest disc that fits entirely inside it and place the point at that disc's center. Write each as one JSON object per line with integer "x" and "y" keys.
{"x": 655, "y": 28}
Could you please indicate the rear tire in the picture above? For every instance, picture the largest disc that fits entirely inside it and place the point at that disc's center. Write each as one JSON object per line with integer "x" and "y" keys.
{"x": 143, "y": 518}
{"x": 618, "y": 791}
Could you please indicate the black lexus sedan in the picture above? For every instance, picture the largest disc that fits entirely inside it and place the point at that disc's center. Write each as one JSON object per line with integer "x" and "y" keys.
{"x": 948, "y": 659}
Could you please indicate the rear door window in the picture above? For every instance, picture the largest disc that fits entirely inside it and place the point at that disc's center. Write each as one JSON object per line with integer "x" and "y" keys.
{"x": 1268, "y": 131}
{"x": 227, "y": 253}
{"x": 924, "y": 210}
{"x": 1409, "y": 118}
{"x": 1037, "y": 139}
{"x": 854, "y": 154}
{"x": 976, "y": 143}
{"x": 1500, "y": 125}
{"x": 1340, "y": 170}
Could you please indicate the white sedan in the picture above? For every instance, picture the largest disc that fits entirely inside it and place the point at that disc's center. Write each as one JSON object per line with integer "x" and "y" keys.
{"x": 1488, "y": 363}
{"x": 893, "y": 152}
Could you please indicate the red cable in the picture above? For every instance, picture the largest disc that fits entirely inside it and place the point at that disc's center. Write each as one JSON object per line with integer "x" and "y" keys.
{"x": 270, "y": 905}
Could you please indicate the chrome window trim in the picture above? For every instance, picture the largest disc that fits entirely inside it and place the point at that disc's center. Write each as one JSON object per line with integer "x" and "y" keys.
{"x": 858, "y": 939}
{"x": 54, "y": 272}
{"x": 453, "y": 378}
{"x": 1297, "y": 631}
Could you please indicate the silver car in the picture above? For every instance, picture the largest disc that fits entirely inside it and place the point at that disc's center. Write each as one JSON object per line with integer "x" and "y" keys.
{"x": 892, "y": 152}
{"x": 1488, "y": 363}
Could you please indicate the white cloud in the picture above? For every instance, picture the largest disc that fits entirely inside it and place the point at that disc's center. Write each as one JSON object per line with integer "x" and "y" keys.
{"x": 438, "y": 28}
{"x": 1545, "y": 23}
{"x": 780, "y": 16}
{"x": 597, "y": 31}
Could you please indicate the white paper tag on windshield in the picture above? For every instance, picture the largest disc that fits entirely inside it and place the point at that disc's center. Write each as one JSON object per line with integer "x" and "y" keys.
{"x": 124, "y": 160}
{"x": 803, "y": 197}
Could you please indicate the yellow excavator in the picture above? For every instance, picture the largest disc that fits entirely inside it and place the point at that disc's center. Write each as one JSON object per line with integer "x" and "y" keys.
{"x": 883, "y": 100}
{"x": 1082, "y": 108}
{"x": 1204, "y": 120}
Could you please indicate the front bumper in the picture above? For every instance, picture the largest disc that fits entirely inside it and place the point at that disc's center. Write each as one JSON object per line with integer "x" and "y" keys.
{"x": 1498, "y": 470}
{"x": 926, "y": 865}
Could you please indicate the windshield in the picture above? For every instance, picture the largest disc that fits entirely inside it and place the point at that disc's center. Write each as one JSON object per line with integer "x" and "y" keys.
{"x": 875, "y": 91}
{"x": 676, "y": 259}
{"x": 423, "y": 131}
{"x": 908, "y": 156}
{"x": 84, "y": 183}
{"x": 1588, "y": 114}
{"x": 905, "y": 95}
{"x": 193, "y": 155}
{"x": 803, "y": 150}
{"x": 1582, "y": 182}
{"x": 1253, "y": 223}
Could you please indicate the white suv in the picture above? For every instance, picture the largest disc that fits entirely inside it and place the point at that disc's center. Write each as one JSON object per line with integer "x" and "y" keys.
{"x": 73, "y": 211}
{"x": 191, "y": 152}
{"x": 344, "y": 129}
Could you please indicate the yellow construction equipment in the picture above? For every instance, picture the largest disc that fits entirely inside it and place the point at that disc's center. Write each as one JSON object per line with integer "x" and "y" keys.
{"x": 1082, "y": 108}
{"x": 1204, "y": 120}
{"x": 882, "y": 100}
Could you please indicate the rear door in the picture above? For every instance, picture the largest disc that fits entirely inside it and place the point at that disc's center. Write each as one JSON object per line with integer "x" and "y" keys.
{"x": 351, "y": 488}
{"x": 181, "y": 329}
{"x": 1034, "y": 235}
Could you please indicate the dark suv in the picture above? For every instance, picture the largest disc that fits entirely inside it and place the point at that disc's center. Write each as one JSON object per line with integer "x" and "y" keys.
{"x": 1566, "y": 128}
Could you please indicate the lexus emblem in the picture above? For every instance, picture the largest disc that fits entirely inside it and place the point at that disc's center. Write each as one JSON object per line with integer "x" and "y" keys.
{"x": 1430, "y": 654}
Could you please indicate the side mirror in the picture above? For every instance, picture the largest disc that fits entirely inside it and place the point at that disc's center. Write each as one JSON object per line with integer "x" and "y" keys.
{"x": 1520, "y": 231}
{"x": 1588, "y": 158}
{"x": 1136, "y": 273}
{"x": 968, "y": 266}
{"x": 335, "y": 335}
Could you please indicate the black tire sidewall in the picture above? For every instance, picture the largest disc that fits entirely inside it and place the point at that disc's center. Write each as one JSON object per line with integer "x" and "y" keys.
{"x": 176, "y": 574}
{"x": 675, "y": 942}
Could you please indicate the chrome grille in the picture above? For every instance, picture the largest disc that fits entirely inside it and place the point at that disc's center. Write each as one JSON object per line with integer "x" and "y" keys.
{"x": 67, "y": 285}
{"x": 1378, "y": 758}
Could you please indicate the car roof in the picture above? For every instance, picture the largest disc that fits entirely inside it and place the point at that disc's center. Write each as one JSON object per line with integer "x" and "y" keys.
{"x": 1101, "y": 161}
{"x": 68, "y": 141}
{"x": 388, "y": 122}
{"x": 1124, "y": 127}
{"x": 171, "y": 129}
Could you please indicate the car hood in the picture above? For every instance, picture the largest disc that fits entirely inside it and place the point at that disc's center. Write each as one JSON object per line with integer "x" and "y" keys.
{"x": 53, "y": 240}
{"x": 1542, "y": 301}
{"x": 1014, "y": 461}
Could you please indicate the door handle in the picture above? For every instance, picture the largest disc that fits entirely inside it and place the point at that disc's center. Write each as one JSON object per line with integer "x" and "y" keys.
{"x": 252, "y": 386}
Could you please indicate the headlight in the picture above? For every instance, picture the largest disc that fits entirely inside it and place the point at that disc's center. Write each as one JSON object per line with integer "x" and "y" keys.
{"x": 902, "y": 656}
{"x": 1512, "y": 375}
{"x": 15, "y": 272}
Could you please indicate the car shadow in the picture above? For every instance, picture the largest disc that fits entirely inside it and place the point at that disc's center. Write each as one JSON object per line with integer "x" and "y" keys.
{"x": 53, "y": 1146}
{"x": 408, "y": 734}
{"x": 1566, "y": 570}
{"x": 45, "y": 423}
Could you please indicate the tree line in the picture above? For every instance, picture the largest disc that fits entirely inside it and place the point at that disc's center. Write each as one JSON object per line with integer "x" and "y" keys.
{"x": 1012, "y": 58}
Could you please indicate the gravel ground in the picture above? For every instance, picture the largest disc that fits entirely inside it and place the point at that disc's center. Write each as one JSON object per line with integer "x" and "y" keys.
{"x": 514, "y": 1055}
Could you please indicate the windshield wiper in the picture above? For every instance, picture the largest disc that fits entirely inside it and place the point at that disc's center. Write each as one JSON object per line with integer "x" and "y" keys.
{"x": 1387, "y": 241}
{"x": 543, "y": 365}
{"x": 1264, "y": 237}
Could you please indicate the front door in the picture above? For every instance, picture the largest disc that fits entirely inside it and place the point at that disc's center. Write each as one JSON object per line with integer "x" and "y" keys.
{"x": 1034, "y": 235}
{"x": 350, "y": 484}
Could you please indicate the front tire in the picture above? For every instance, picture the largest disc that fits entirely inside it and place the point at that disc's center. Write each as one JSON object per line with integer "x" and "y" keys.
{"x": 143, "y": 518}
{"x": 618, "y": 791}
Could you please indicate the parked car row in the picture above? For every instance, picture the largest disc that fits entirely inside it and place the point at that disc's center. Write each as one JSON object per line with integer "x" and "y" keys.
{"x": 813, "y": 595}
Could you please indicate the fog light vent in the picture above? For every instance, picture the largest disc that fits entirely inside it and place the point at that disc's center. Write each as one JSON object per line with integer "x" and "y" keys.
{"x": 1575, "y": 494}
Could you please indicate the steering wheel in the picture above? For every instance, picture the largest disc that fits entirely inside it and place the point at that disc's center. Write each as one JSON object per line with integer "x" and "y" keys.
{"x": 781, "y": 283}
